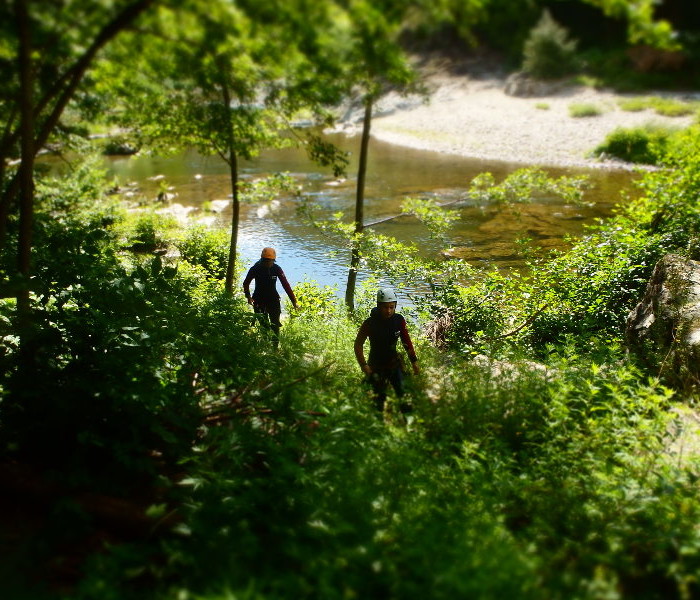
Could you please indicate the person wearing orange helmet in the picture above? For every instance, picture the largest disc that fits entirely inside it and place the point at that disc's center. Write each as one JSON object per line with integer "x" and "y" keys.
{"x": 265, "y": 298}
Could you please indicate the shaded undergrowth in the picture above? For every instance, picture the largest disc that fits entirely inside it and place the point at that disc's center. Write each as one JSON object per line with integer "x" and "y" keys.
{"x": 256, "y": 472}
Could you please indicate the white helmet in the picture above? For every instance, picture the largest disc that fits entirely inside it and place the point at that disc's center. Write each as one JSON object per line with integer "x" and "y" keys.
{"x": 386, "y": 294}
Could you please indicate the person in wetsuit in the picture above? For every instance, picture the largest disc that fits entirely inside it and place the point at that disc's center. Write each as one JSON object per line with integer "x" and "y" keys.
{"x": 265, "y": 299}
{"x": 384, "y": 328}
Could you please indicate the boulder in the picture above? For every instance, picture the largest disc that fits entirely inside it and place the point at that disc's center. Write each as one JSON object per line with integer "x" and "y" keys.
{"x": 522, "y": 85}
{"x": 664, "y": 328}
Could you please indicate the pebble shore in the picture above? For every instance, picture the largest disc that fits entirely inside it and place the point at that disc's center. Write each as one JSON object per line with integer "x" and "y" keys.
{"x": 476, "y": 118}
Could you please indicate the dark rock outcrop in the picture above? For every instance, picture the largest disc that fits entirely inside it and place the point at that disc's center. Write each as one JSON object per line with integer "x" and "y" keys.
{"x": 664, "y": 328}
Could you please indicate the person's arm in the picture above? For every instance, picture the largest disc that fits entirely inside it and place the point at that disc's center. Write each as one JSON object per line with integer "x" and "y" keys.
{"x": 246, "y": 285}
{"x": 362, "y": 336}
{"x": 408, "y": 346}
{"x": 287, "y": 287}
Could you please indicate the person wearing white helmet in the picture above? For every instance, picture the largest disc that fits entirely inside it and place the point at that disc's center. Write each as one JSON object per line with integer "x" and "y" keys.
{"x": 265, "y": 298}
{"x": 384, "y": 328}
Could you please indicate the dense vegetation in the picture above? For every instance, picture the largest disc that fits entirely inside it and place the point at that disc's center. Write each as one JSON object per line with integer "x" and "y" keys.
{"x": 266, "y": 474}
{"x": 156, "y": 444}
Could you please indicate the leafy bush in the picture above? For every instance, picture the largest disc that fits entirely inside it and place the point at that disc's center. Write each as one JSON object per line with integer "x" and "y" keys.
{"x": 584, "y": 110}
{"x": 208, "y": 248}
{"x": 151, "y": 231}
{"x": 548, "y": 52}
{"x": 641, "y": 145}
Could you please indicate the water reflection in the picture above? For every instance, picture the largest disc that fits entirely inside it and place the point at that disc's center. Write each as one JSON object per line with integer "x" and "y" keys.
{"x": 486, "y": 235}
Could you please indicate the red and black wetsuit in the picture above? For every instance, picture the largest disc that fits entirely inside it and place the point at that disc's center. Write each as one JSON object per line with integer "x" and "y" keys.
{"x": 266, "y": 300}
{"x": 384, "y": 358}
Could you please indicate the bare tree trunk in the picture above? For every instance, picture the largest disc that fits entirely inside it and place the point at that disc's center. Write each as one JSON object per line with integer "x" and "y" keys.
{"x": 236, "y": 205}
{"x": 359, "y": 206}
{"x": 235, "y": 201}
{"x": 26, "y": 170}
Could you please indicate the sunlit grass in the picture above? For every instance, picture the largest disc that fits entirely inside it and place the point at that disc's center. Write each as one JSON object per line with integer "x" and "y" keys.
{"x": 667, "y": 107}
{"x": 577, "y": 110}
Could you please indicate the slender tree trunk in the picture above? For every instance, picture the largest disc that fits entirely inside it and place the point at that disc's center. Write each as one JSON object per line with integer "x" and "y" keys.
{"x": 26, "y": 170}
{"x": 359, "y": 206}
{"x": 236, "y": 205}
{"x": 235, "y": 201}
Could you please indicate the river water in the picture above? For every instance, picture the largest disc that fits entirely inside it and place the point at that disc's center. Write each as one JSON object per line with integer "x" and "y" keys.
{"x": 484, "y": 235}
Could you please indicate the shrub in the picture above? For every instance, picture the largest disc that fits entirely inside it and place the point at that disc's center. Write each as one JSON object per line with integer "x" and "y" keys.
{"x": 207, "y": 248}
{"x": 150, "y": 232}
{"x": 634, "y": 104}
{"x": 584, "y": 110}
{"x": 642, "y": 145}
{"x": 548, "y": 52}
{"x": 667, "y": 107}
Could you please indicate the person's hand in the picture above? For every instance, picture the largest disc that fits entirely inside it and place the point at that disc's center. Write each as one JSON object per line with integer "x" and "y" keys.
{"x": 366, "y": 369}
{"x": 416, "y": 368}
{"x": 296, "y": 306}
{"x": 251, "y": 301}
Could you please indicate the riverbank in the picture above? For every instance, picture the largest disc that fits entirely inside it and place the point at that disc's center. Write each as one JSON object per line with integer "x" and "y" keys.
{"x": 471, "y": 115}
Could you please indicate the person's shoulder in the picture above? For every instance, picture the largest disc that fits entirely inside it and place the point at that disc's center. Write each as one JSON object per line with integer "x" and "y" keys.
{"x": 366, "y": 325}
{"x": 399, "y": 318}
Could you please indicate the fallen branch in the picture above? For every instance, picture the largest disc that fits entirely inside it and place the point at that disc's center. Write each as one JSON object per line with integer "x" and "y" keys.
{"x": 529, "y": 321}
{"x": 385, "y": 219}
{"x": 222, "y": 412}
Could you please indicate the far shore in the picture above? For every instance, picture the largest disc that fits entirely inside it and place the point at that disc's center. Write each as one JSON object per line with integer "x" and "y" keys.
{"x": 476, "y": 118}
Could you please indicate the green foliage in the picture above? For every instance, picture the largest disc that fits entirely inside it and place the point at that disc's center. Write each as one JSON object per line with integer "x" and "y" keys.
{"x": 642, "y": 28}
{"x": 206, "y": 248}
{"x": 667, "y": 107}
{"x": 512, "y": 479}
{"x": 548, "y": 52}
{"x": 437, "y": 220}
{"x": 642, "y": 145}
{"x": 579, "y": 110}
{"x": 315, "y": 302}
{"x": 587, "y": 291}
{"x": 267, "y": 188}
{"x": 326, "y": 154}
{"x": 524, "y": 184}
{"x": 150, "y": 231}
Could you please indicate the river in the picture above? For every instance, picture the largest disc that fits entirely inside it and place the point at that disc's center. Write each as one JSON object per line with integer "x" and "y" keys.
{"x": 484, "y": 235}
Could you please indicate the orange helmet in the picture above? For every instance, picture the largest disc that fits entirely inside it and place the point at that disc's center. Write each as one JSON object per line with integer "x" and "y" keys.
{"x": 268, "y": 253}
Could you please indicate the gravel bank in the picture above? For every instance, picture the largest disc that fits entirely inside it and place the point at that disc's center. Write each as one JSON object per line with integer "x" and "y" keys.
{"x": 474, "y": 117}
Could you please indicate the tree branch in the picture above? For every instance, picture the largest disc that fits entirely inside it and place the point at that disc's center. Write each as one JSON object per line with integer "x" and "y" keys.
{"x": 385, "y": 219}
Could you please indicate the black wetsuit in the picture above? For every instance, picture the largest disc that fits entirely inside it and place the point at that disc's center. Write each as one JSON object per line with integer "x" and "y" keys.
{"x": 266, "y": 300}
{"x": 384, "y": 358}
